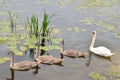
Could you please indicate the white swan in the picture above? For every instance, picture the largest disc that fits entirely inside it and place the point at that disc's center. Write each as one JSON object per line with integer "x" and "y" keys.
{"x": 102, "y": 51}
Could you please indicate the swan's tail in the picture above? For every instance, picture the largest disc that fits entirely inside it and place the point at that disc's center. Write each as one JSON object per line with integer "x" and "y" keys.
{"x": 112, "y": 54}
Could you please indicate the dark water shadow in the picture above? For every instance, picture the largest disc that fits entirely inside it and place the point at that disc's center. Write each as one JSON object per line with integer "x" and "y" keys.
{"x": 88, "y": 62}
{"x": 36, "y": 70}
{"x": 30, "y": 52}
{"x": 102, "y": 57}
{"x": 98, "y": 56}
{"x": 12, "y": 75}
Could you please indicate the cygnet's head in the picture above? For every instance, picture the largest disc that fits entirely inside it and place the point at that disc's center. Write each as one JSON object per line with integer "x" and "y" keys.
{"x": 94, "y": 32}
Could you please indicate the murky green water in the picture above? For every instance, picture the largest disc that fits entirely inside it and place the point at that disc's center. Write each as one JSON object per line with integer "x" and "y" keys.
{"x": 74, "y": 21}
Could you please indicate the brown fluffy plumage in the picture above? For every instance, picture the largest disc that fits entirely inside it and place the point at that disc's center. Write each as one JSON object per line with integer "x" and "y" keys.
{"x": 23, "y": 65}
{"x": 46, "y": 59}
{"x": 71, "y": 53}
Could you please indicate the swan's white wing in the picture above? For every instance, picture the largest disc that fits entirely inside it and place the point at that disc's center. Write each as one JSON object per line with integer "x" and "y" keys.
{"x": 103, "y": 51}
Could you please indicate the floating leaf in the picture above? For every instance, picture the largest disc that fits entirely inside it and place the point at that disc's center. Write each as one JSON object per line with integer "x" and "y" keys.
{"x": 103, "y": 30}
{"x": 56, "y": 41}
{"x": 56, "y": 31}
{"x": 4, "y": 26}
{"x": 12, "y": 43}
{"x": 109, "y": 27}
{"x": 87, "y": 21}
{"x": 12, "y": 47}
{"x": 96, "y": 76}
{"x": 4, "y": 59}
{"x": 100, "y": 23}
{"x": 2, "y": 40}
{"x": 1, "y": 13}
{"x": 69, "y": 29}
{"x": 30, "y": 42}
{"x": 44, "y": 48}
{"x": 20, "y": 27}
{"x": 22, "y": 36}
{"x": 17, "y": 52}
{"x": 23, "y": 48}
{"x": 83, "y": 30}
{"x": 76, "y": 29}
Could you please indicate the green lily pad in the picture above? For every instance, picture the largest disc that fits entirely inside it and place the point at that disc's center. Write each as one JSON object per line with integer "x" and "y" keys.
{"x": 87, "y": 21}
{"x": 56, "y": 40}
{"x": 1, "y": 13}
{"x": 76, "y": 29}
{"x": 96, "y": 76}
{"x": 17, "y": 52}
{"x": 23, "y": 48}
{"x": 109, "y": 27}
{"x": 69, "y": 29}
{"x": 4, "y": 59}
{"x": 55, "y": 30}
{"x": 20, "y": 27}
{"x": 22, "y": 36}
{"x": 2, "y": 40}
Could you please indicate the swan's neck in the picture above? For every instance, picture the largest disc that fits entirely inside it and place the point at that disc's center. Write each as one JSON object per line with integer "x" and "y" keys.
{"x": 37, "y": 51}
{"x": 12, "y": 61}
{"x": 62, "y": 49}
{"x": 93, "y": 41}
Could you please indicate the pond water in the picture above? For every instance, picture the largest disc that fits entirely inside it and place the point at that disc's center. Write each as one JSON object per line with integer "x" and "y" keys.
{"x": 75, "y": 20}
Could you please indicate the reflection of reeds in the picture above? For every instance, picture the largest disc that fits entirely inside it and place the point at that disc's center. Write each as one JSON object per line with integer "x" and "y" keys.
{"x": 33, "y": 26}
{"x": 13, "y": 19}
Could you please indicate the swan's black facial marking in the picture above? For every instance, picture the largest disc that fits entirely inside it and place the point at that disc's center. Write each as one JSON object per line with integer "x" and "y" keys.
{"x": 94, "y": 32}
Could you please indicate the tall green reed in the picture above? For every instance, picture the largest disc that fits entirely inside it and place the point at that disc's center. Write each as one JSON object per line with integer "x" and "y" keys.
{"x": 33, "y": 26}
{"x": 46, "y": 29}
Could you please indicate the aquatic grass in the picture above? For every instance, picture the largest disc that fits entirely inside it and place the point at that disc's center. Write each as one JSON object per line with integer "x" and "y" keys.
{"x": 13, "y": 20}
{"x": 33, "y": 26}
{"x": 45, "y": 28}
{"x": 45, "y": 24}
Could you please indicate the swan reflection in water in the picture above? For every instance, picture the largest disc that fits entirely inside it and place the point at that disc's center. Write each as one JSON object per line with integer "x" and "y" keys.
{"x": 90, "y": 56}
{"x": 12, "y": 75}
